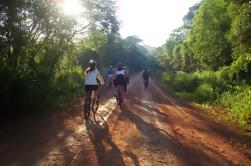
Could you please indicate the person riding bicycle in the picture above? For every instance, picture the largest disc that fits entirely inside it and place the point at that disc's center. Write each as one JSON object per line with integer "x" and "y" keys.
{"x": 109, "y": 76}
{"x": 119, "y": 77}
{"x": 127, "y": 78}
{"x": 145, "y": 76}
{"x": 92, "y": 76}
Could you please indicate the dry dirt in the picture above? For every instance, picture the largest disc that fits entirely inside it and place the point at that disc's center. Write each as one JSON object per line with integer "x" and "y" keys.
{"x": 151, "y": 128}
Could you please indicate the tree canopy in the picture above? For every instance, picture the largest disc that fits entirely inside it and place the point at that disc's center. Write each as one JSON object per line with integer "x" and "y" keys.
{"x": 208, "y": 59}
{"x": 43, "y": 51}
{"x": 215, "y": 36}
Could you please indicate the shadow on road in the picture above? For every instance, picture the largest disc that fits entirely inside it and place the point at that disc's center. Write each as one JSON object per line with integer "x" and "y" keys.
{"x": 211, "y": 126}
{"x": 101, "y": 139}
{"x": 150, "y": 107}
{"x": 166, "y": 142}
{"x": 32, "y": 141}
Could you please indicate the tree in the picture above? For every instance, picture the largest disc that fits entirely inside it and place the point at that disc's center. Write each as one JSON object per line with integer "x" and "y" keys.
{"x": 240, "y": 38}
{"x": 208, "y": 35}
{"x": 35, "y": 40}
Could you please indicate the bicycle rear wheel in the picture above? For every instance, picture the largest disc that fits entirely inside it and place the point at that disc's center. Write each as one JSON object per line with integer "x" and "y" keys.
{"x": 99, "y": 120}
{"x": 146, "y": 84}
{"x": 120, "y": 97}
{"x": 110, "y": 83}
{"x": 87, "y": 108}
{"x": 95, "y": 104}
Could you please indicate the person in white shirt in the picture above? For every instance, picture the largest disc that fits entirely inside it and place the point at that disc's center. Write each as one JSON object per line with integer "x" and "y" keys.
{"x": 120, "y": 76}
{"x": 92, "y": 77}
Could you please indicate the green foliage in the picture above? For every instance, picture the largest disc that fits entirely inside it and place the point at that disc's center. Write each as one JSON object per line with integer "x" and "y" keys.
{"x": 111, "y": 49}
{"x": 208, "y": 59}
{"x": 43, "y": 52}
{"x": 198, "y": 87}
{"x": 215, "y": 34}
{"x": 211, "y": 88}
{"x": 240, "y": 36}
{"x": 238, "y": 102}
{"x": 103, "y": 14}
{"x": 207, "y": 37}
{"x": 184, "y": 82}
{"x": 38, "y": 63}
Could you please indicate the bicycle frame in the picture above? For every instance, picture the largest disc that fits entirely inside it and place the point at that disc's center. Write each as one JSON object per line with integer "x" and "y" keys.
{"x": 145, "y": 83}
{"x": 120, "y": 91}
{"x": 91, "y": 103}
{"x": 110, "y": 82}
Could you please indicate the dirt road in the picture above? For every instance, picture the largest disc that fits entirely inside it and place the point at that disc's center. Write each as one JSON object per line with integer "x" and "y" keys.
{"x": 151, "y": 128}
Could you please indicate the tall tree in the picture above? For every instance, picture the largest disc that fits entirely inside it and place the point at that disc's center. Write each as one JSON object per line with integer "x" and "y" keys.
{"x": 208, "y": 36}
{"x": 35, "y": 38}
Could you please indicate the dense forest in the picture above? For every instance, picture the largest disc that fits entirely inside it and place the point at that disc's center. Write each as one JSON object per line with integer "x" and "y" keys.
{"x": 43, "y": 52}
{"x": 208, "y": 59}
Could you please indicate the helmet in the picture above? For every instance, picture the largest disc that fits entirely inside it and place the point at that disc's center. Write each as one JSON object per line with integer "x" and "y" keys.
{"x": 120, "y": 65}
{"x": 111, "y": 67}
{"x": 92, "y": 63}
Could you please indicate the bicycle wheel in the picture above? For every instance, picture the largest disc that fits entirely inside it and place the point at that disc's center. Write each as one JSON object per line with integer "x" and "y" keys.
{"x": 120, "y": 98}
{"x": 110, "y": 83}
{"x": 99, "y": 120}
{"x": 95, "y": 104}
{"x": 87, "y": 108}
{"x": 146, "y": 84}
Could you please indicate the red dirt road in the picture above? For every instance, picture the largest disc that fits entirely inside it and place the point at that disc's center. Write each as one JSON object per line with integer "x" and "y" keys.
{"x": 151, "y": 128}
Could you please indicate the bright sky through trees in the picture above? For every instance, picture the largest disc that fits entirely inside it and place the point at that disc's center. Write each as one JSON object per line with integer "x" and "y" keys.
{"x": 152, "y": 20}
{"x": 72, "y": 7}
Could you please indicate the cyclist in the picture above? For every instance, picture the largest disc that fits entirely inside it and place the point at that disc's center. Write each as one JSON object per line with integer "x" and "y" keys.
{"x": 92, "y": 76}
{"x": 127, "y": 78}
{"x": 120, "y": 75}
{"x": 109, "y": 76}
{"x": 145, "y": 76}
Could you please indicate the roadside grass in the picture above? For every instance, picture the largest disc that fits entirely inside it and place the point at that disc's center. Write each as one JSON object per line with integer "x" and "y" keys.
{"x": 226, "y": 100}
{"x": 71, "y": 87}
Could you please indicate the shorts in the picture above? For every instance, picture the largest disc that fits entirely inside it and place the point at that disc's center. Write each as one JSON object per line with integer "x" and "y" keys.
{"x": 91, "y": 88}
{"x": 119, "y": 82}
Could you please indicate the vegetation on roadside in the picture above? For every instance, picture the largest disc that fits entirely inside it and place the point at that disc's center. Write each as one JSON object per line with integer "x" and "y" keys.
{"x": 228, "y": 101}
{"x": 43, "y": 51}
{"x": 208, "y": 59}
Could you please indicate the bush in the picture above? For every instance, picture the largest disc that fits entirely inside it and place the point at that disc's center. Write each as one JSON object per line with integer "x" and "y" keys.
{"x": 214, "y": 88}
{"x": 238, "y": 103}
{"x": 204, "y": 93}
{"x": 185, "y": 82}
{"x": 198, "y": 87}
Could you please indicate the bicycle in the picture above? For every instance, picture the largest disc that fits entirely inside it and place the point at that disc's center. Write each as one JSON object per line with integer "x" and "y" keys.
{"x": 146, "y": 83}
{"x": 91, "y": 104}
{"x": 110, "y": 82}
{"x": 119, "y": 95}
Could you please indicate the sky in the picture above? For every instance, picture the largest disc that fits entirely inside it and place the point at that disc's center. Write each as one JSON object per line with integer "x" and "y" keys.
{"x": 151, "y": 20}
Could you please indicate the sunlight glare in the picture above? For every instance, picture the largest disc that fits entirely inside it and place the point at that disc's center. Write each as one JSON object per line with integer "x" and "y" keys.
{"x": 72, "y": 7}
